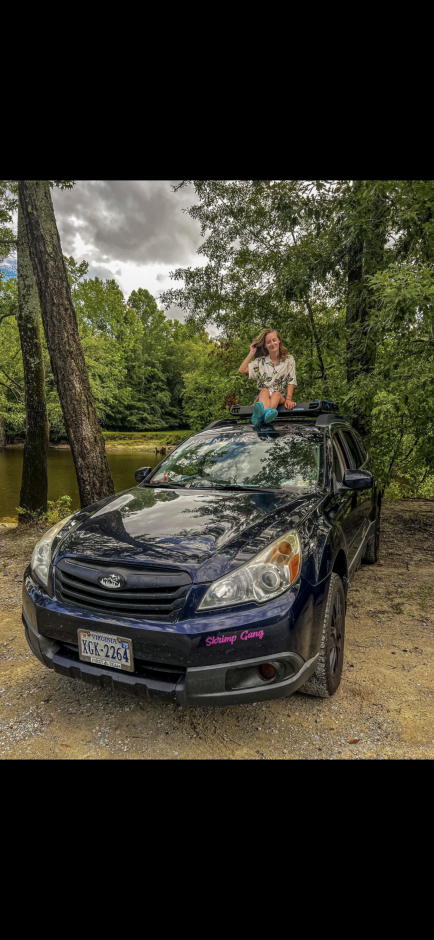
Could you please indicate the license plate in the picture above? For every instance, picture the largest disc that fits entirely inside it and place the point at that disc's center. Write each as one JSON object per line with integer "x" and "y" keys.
{"x": 103, "y": 649}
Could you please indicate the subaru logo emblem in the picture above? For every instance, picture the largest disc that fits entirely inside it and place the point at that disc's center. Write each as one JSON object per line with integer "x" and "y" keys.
{"x": 112, "y": 581}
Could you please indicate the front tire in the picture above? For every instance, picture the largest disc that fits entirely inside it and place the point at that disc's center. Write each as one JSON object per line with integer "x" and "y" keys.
{"x": 327, "y": 676}
{"x": 372, "y": 553}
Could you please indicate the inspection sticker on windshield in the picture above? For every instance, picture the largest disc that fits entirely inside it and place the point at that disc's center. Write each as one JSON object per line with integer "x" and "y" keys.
{"x": 103, "y": 649}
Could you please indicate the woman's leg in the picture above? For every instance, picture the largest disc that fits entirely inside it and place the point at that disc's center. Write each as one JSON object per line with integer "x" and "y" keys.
{"x": 264, "y": 397}
{"x": 276, "y": 399}
{"x": 271, "y": 412}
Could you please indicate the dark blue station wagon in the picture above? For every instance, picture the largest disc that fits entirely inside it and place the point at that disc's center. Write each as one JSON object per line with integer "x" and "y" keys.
{"x": 222, "y": 577}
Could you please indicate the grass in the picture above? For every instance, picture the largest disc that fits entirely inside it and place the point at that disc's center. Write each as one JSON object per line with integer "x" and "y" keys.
{"x": 130, "y": 438}
{"x": 423, "y": 595}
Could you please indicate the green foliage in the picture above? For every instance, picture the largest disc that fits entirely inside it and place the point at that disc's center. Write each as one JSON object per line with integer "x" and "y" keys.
{"x": 74, "y": 270}
{"x": 345, "y": 271}
{"x": 12, "y": 409}
{"x": 56, "y": 511}
{"x": 8, "y": 205}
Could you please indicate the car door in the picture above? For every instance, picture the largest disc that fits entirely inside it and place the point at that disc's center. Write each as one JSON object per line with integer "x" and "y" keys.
{"x": 358, "y": 457}
{"x": 344, "y": 501}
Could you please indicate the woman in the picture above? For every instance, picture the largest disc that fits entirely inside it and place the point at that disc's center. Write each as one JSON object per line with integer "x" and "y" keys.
{"x": 274, "y": 370}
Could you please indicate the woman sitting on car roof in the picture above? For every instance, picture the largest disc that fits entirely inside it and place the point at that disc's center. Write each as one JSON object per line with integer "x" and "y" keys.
{"x": 274, "y": 370}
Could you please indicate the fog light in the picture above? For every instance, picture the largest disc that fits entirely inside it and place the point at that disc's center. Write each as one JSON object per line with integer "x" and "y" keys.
{"x": 267, "y": 670}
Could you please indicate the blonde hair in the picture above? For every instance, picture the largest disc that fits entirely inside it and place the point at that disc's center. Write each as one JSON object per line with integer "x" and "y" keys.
{"x": 261, "y": 349}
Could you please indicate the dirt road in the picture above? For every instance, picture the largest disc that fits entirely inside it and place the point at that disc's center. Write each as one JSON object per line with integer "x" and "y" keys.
{"x": 384, "y": 709}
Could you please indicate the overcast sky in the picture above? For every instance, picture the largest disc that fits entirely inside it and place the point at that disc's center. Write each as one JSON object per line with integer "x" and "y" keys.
{"x": 132, "y": 230}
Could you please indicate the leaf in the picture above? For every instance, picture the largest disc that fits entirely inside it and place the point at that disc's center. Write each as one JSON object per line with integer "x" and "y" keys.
{"x": 356, "y": 741}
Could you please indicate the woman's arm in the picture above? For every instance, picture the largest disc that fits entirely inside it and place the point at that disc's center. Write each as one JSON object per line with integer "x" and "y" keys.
{"x": 289, "y": 403}
{"x": 244, "y": 367}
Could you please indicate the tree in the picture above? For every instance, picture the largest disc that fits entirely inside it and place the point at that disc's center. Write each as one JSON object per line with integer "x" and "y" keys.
{"x": 34, "y": 481}
{"x": 344, "y": 270}
{"x": 63, "y": 341}
{"x": 12, "y": 409}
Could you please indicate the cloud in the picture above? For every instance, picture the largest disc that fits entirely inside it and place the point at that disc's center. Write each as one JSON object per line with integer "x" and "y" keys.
{"x": 139, "y": 221}
{"x": 132, "y": 230}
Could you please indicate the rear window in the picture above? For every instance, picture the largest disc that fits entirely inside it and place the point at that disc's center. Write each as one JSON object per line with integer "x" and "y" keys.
{"x": 291, "y": 460}
{"x": 361, "y": 446}
{"x": 355, "y": 459}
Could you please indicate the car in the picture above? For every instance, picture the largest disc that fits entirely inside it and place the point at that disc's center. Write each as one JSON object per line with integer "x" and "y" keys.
{"x": 222, "y": 577}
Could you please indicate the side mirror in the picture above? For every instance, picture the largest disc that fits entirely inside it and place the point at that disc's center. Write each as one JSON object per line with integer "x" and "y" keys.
{"x": 141, "y": 474}
{"x": 358, "y": 479}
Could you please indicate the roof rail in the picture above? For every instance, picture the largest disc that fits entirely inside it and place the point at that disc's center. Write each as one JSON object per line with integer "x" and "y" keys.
{"x": 324, "y": 420}
{"x": 306, "y": 409}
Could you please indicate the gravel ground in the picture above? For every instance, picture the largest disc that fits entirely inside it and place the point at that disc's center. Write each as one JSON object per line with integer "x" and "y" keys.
{"x": 383, "y": 710}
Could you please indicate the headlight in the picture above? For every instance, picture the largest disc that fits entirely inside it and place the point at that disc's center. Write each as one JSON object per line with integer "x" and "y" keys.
{"x": 267, "y": 575}
{"x": 41, "y": 557}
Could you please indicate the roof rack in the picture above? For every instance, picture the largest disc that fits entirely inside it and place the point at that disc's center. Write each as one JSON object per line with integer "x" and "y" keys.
{"x": 306, "y": 409}
{"x": 321, "y": 412}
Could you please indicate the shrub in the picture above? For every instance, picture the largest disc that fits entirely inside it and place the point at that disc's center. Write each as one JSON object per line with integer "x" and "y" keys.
{"x": 56, "y": 511}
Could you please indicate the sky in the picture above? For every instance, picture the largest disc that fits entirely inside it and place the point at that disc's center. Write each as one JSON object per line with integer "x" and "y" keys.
{"x": 134, "y": 231}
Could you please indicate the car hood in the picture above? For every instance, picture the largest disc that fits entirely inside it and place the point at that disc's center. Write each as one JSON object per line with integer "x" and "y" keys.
{"x": 206, "y": 533}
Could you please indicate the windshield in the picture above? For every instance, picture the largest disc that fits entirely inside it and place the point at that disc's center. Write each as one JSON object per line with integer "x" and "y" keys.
{"x": 269, "y": 459}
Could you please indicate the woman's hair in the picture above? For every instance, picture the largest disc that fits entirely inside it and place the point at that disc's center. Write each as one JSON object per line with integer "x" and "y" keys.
{"x": 261, "y": 349}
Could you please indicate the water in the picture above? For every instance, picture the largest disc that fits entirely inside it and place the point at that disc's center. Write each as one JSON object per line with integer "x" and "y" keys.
{"x": 62, "y": 480}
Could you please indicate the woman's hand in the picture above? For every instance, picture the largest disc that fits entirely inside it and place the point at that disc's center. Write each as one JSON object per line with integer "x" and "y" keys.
{"x": 244, "y": 367}
{"x": 290, "y": 404}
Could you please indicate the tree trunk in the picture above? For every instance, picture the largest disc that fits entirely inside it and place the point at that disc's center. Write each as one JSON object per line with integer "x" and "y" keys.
{"x": 63, "y": 341}
{"x": 366, "y": 257}
{"x": 2, "y": 431}
{"x": 317, "y": 344}
{"x": 34, "y": 481}
{"x": 357, "y": 313}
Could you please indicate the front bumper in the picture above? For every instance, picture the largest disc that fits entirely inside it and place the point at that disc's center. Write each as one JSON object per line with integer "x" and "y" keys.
{"x": 200, "y": 685}
{"x": 200, "y": 660}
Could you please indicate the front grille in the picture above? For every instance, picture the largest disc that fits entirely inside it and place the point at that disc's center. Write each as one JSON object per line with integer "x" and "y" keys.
{"x": 148, "y": 594}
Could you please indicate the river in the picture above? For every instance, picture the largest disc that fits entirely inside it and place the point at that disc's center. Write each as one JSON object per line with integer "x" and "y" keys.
{"x": 62, "y": 480}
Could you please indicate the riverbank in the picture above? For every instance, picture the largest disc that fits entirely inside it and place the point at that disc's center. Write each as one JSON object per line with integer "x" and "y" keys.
{"x": 384, "y": 709}
{"x": 150, "y": 441}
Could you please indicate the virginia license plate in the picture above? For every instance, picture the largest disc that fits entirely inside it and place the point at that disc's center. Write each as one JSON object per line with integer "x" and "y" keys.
{"x": 103, "y": 649}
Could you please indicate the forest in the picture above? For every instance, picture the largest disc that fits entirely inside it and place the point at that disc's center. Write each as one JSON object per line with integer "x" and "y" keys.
{"x": 140, "y": 363}
{"x": 344, "y": 269}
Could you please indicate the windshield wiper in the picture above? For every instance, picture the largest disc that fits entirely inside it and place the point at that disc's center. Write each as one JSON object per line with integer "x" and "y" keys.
{"x": 209, "y": 484}
{"x": 236, "y": 486}
{"x": 167, "y": 485}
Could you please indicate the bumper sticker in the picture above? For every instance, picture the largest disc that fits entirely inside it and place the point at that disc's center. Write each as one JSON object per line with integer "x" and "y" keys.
{"x": 245, "y": 635}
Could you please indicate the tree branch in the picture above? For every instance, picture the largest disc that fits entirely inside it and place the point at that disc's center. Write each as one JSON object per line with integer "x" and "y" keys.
{"x": 180, "y": 185}
{"x": 395, "y": 453}
{"x": 10, "y": 389}
{"x": 14, "y": 381}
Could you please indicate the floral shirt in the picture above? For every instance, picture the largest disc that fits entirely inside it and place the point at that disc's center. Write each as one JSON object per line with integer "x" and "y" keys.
{"x": 273, "y": 377}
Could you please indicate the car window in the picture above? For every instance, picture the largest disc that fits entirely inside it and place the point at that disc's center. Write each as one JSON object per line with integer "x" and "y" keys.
{"x": 351, "y": 449}
{"x": 293, "y": 460}
{"x": 339, "y": 462}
